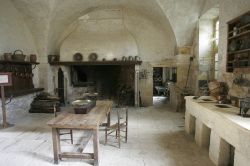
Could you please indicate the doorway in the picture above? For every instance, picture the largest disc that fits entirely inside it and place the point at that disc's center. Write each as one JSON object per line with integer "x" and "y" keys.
{"x": 162, "y": 77}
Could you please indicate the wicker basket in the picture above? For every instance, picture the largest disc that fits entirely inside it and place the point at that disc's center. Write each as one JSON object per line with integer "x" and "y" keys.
{"x": 18, "y": 55}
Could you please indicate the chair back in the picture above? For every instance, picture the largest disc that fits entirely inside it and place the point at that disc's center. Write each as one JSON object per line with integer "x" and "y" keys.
{"x": 120, "y": 115}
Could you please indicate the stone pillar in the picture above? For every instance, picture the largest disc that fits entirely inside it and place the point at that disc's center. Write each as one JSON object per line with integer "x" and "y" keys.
{"x": 202, "y": 134}
{"x": 198, "y": 132}
{"x": 214, "y": 148}
{"x": 241, "y": 159}
{"x": 219, "y": 151}
{"x": 189, "y": 123}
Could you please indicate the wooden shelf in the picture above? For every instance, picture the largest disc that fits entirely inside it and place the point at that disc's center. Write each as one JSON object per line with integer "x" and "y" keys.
{"x": 19, "y": 62}
{"x": 70, "y": 63}
{"x": 22, "y": 77}
{"x": 240, "y": 28}
{"x": 239, "y": 35}
{"x": 245, "y": 70}
{"x": 239, "y": 51}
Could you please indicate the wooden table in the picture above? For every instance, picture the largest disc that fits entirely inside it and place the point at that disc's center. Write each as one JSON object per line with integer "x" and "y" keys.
{"x": 89, "y": 122}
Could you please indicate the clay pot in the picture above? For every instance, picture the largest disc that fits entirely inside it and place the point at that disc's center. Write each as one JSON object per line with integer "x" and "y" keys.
{"x": 7, "y": 56}
{"x": 33, "y": 58}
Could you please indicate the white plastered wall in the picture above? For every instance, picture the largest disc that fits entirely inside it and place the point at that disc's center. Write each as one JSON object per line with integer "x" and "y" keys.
{"x": 16, "y": 35}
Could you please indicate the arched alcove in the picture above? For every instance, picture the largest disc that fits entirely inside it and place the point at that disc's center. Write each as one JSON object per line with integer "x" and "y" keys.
{"x": 103, "y": 32}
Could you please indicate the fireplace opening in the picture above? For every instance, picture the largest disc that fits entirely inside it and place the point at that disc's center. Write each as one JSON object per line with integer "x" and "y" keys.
{"x": 113, "y": 82}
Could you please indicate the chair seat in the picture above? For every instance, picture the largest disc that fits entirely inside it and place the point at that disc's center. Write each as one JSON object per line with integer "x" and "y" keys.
{"x": 115, "y": 126}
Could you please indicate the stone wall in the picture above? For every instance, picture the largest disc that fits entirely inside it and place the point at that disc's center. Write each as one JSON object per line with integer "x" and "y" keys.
{"x": 16, "y": 35}
{"x": 206, "y": 57}
{"x": 17, "y": 108}
{"x": 204, "y": 46}
{"x": 106, "y": 36}
{"x": 13, "y": 30}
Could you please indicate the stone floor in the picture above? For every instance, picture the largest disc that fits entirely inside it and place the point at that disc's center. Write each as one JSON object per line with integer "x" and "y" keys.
{"x": 156, "y": 138}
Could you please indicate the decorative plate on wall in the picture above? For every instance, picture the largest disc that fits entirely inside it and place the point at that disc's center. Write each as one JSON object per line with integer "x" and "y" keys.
{"x": 93, "y": 56}
{"x": 77, "y": 56}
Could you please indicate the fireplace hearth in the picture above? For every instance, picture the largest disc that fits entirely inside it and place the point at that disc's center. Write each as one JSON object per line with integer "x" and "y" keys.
{"x": 115, "y": 82}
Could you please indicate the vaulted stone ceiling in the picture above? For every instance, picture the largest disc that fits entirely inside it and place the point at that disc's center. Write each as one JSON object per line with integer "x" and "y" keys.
{"x": 47, "y": 19}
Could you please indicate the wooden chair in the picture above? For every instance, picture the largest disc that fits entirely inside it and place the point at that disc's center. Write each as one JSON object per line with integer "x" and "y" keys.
{"x": 120, "y": 127}
{"x": 63, "y": 133}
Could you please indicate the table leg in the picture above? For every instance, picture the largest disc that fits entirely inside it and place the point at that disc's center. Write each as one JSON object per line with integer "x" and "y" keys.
{"x": 56, "y": 144}
{"x": 107, "y": 125}
{"x": 96, "y": 146}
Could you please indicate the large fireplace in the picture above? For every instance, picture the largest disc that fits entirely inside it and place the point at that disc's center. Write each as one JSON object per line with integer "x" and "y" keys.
{"x": 116, "y": 82}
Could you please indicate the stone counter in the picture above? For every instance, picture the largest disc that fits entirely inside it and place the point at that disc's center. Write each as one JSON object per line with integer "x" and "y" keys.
{"x": 218, "y": 129}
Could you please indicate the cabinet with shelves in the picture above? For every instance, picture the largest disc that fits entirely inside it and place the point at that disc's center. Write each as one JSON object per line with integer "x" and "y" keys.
{"x": 238, "y": 43}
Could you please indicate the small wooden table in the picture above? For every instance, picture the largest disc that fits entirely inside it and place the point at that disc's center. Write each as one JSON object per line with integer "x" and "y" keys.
{"x": 89, "y": 122}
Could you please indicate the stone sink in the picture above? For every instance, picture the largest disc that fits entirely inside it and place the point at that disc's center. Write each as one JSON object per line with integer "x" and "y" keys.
{"x": 207, "y": 100}
{"x": 222, "y": 106}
